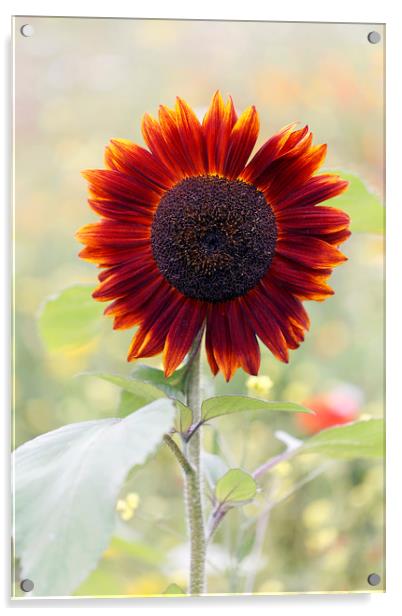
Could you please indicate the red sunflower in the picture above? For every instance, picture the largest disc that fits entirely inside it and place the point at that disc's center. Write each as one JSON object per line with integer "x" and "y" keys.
{"x": 192, "y": 235}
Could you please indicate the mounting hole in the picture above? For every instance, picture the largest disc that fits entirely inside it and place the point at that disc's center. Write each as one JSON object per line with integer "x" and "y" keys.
{"x": 374, "y": 579}
{"x": 26, "y": 585}
{"x": 27, "y": 30}
{"x": 374, "y": 37}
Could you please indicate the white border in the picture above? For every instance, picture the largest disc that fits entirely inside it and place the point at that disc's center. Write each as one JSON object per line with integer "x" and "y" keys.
{"x": 384, "y": 11}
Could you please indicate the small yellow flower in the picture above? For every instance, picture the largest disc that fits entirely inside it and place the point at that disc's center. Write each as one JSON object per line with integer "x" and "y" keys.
{"x": 259, "y": 385}
{"x": 132, "y": 500}
{"x": 127, "y": 506}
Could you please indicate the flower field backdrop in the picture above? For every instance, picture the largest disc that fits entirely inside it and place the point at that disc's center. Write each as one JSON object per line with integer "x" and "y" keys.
{"x": 81, "y": 81}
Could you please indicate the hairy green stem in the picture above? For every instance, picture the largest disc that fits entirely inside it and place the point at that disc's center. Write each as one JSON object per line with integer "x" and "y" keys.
{"x": 193, "y": 479}
{"x": 177, "y": 452}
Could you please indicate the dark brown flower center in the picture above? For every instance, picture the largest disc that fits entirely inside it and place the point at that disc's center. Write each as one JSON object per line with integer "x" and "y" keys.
{"x": 213, "y": 238}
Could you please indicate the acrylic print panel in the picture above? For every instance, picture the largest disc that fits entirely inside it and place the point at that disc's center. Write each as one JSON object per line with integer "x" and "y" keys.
{"x": 240, "y": 265}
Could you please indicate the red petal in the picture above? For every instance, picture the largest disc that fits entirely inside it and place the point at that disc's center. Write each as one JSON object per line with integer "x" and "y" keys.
{"x": 113, "y": 234}
{"x": 310, "y": 252}
{"x": 287, "y": 310}
{"x": 112, "y": 256}
{"x": 244, "y": 342}
{"x": 291, "y": 171}
{"x": 132, "y": 308}
{"x": 312, "y": 220}
{"x": 192, "y": 137}
{"x": 257, "y": 170}
{"x": 154, "y": 138}
{"x": 173, "y": 141}
{"x": 182, "y": 332}
{"x": 123, "y": 211}
{"x": 219, "y": 341}
{"x": 217, "y": 126}
{"x": 336, "y": 238}
{"x": 241, "y": 142}
{"x": 151, "y": 335}
{"x": 131, "y": 159}
{"x": 316, "y": 190}
{"x": 302, "y": 282}
{"x": 264, "y": 324}
{"x": 140, "y": 257}
{"x": 111, "y": 184}
{"x": 289, "y": 307}
{"x": 210, "y": 355}
{"x": 127, "y": 280}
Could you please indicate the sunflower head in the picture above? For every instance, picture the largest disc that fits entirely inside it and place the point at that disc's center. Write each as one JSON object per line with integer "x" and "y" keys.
{"x": 193, "y": 234}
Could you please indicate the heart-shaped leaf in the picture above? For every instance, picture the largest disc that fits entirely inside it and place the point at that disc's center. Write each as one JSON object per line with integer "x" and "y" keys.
{"x": 66, "y": 485}
{"x": 235, "y": 488}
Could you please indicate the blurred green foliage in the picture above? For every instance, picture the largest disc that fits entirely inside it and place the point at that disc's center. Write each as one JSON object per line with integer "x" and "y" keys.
{"x": 70, "y": 320}
{"x": 367, "y": 214}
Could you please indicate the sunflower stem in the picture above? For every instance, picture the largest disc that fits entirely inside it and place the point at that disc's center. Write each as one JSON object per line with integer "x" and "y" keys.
{"x": 193, "y": 480}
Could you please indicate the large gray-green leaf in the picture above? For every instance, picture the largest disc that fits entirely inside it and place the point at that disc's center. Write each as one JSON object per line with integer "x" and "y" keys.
{"x": 70, "y": 320}
{"x": 235, "y": 488}
{"x": 66, "y": 485}
{"x": 137, "y": 393}
{"x": 225, "y": 405}
{"x": 363, "y": 206}
{"x": 361, "y": 439}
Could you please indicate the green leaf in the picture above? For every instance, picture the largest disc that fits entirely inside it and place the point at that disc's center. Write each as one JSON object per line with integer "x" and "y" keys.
{"x": 145, "y": 385}
{"x": 364, "y": 207}
{"x": 135, "y": 394}
{"x": 225, "y": 405}
{"x": 66, "y": 486}
{"x": 235, "y": 488}
{"x": 361, "y": 439}
{"x": 70, "y": 320}
{"x": 185, "y": 419}
{"x": 173, "y": 386}
{"x": 214, "y": 468}
{"x": 174, "y": 589}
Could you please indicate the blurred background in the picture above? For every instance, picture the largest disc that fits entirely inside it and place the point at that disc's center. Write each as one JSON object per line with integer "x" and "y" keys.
{"x": 80, "y": 82}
